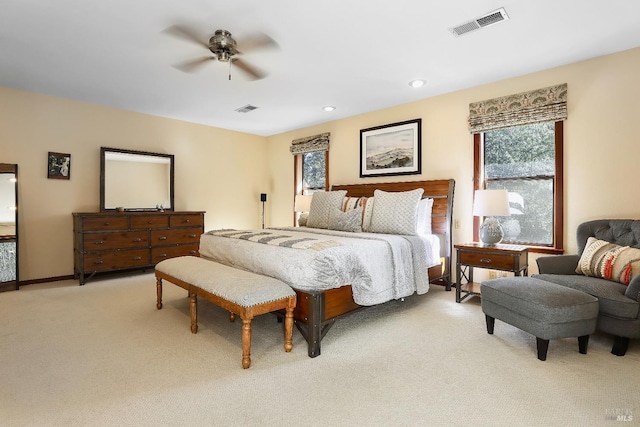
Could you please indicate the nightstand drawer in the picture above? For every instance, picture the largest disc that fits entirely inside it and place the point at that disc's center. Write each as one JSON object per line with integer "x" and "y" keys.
{"x": 488, "y": 260}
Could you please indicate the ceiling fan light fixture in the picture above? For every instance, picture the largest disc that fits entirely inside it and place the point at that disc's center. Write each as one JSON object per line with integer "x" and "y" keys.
{"x": 417, "y": 83}
{"x": 328, "y": 108}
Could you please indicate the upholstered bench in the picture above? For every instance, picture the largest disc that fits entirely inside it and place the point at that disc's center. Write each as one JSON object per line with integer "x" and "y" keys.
{"x": 543, "y": 309}
{"x": 241, "y": 292}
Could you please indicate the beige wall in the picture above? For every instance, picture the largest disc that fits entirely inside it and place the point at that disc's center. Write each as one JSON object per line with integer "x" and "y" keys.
{"x": 602, "y": 146}
{"x": 218, "y": 171}
{"x": 223, "y": 171}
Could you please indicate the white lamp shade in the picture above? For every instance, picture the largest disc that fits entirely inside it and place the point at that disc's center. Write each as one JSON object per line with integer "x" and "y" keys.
{"x": 491, "y": 203}
{"x": 302, "y": 203}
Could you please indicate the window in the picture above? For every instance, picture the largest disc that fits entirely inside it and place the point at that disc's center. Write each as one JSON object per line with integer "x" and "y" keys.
{"x": 525, "y": 160}
{"x": 314, "y": 172}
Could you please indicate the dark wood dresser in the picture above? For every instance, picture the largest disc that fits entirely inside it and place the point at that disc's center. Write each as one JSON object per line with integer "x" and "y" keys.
{"x": 114, "y": 241}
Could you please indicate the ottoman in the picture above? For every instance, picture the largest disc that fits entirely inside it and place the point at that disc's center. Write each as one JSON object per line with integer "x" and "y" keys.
{"x": 543, "y": 309}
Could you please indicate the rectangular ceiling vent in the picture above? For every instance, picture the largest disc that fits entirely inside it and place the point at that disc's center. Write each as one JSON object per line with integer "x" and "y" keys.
{"x": 246, "y": 108}
{"x": 482, "y": 22}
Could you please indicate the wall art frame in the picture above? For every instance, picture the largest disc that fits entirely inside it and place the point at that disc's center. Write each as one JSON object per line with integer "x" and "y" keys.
{"x": 59, "y": 165}
{"x": 393, "y": 149}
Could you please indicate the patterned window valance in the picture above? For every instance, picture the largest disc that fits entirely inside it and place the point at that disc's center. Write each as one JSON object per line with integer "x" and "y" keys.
{"x": 310, "y": 144}
{"x": 541, "y": 105}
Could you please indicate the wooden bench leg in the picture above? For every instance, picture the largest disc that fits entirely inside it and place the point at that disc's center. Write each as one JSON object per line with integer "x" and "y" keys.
{"x": 288, "y": 329}
{"x": 158, "y": 293}
{"x": 246, "y": 343}
{"x": 193, "y": 308}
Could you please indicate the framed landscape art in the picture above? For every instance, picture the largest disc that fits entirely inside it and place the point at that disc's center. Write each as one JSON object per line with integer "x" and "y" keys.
{"x": 393, "y": 149}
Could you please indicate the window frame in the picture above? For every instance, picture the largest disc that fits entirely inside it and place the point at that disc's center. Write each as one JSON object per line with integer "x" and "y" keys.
{"x": 298, "y": 181}
{"x": 558, "y": 192}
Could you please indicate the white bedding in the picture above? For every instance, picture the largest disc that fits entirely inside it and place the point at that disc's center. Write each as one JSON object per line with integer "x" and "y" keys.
{"x": 379, "y": 267}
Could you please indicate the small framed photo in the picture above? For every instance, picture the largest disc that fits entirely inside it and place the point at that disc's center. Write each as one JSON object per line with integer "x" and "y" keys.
{"x": 59, "y": 165}
{"x": 393, "y": 149}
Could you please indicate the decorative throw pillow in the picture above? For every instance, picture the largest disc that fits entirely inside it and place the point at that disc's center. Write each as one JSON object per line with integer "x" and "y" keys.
{"x": 396, "y": 212}
{"x": 350, "y": 220}
{"x": 425, "y": 207}
{"x": 609, "y": 261}
{"x": 322, "y": 203}
{"x": 351, "y": 203}
{"x": 367, "y": 213}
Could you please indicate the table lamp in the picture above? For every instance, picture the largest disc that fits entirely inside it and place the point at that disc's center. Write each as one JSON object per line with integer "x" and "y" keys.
{"x": 490, "y": 204}
{"x": 302, "y": 204}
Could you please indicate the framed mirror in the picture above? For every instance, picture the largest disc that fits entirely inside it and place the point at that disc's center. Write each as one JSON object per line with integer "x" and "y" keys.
{"x": 9, "y": 271}
{"x": 135, "y": 180}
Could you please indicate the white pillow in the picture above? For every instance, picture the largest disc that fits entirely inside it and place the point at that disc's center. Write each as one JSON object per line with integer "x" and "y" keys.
{"x": 322, "y": 203}
{"x": 396, "y": 212}
{"x": 425, "y": 207}
{"x": 367, "y": 214}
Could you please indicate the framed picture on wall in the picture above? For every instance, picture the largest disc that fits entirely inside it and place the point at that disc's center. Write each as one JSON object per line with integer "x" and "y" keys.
{"x": 393, "y": 149}
{"x": 59, "y": 165}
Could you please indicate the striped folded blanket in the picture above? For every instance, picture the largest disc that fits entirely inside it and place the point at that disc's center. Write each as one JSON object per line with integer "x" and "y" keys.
{"x": 277, "y": 239}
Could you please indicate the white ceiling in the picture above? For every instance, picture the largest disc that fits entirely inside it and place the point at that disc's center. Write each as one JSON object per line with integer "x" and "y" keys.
{"x": 356, "y": 55}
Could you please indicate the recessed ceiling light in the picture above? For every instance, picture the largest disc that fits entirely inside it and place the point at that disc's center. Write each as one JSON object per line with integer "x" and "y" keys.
{"x": 417, "y": 83}
{"x": 328, "y": 108}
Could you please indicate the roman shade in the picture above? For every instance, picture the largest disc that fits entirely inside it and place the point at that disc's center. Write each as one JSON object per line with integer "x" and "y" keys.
{"x": 310, "y": 144}
{"x": 540, "y": 105}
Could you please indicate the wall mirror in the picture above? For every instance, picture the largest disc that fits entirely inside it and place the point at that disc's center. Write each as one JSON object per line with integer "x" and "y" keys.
{"x": 9, "y": 278}
{"x": 135, "y": 180}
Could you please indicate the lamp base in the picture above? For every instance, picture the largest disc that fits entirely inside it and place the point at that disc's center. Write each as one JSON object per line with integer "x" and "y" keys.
{"x": 491, "y": 232}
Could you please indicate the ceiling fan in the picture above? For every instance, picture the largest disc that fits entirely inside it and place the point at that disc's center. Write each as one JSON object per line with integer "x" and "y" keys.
{"x": 224, "y": 48}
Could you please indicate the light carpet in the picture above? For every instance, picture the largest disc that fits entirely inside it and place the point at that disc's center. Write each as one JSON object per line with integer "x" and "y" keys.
{"x": 102, "y": 354}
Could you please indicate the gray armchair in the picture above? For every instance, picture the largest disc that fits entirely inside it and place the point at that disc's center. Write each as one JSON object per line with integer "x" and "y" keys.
{"x": 619, "y": 312}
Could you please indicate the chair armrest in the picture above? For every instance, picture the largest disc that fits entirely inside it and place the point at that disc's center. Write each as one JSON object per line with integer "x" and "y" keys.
{"x": 633, "y": 290}
{"x": 558, "y": 264}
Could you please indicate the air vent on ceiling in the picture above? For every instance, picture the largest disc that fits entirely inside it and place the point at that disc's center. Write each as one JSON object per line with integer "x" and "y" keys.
{"x": 246, "y": 108}
{"x": 484, "y": 21}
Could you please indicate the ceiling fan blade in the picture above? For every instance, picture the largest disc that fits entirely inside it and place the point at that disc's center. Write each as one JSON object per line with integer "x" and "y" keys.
{"x": 257, "y": 41}
{"x": 252, "y": 71}
{"x": 185, "y": 33}
{"x": 193, "y": 65}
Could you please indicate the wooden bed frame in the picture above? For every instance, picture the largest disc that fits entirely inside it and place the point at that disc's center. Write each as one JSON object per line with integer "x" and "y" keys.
{"x": 316, "y": 312}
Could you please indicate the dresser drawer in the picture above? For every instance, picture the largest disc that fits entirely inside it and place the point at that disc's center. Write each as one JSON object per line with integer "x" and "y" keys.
{"x": 159, "y": 254}
{"x": 178, "y": 235}
{"x": 113, "y": 222}
{"x": 488, "y": 260}
{"x": 186, "y": 220}
{"x": 150, "y": 221}
{"x": 115, "y": 240}
{"x": 114, "y": 260}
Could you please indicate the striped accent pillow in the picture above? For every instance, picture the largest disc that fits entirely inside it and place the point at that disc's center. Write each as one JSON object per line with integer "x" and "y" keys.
{"x": 609, "y": 261}
{"x": 364, "y": 204}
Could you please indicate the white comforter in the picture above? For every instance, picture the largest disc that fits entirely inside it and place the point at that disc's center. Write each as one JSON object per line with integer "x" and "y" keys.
{"x": 379, "y": 267}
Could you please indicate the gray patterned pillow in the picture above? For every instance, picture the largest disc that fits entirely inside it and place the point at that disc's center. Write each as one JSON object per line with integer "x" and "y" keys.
{"x": 396, "y": 212}
{"x": 322, "y": 203}
{"x": 350, "y": 220}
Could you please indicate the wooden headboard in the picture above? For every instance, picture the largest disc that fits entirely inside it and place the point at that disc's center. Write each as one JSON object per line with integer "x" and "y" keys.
{"x": 440, "y": 190}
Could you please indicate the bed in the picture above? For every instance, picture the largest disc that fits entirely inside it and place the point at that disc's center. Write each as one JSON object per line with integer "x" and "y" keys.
{"x": 335, "y": 272}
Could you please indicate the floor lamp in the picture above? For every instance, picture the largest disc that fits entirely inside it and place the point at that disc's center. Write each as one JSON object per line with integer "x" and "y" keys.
{"x": 263, "y": 198}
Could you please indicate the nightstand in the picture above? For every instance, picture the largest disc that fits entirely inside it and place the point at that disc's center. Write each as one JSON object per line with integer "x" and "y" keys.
{"x": 513, "y": 258}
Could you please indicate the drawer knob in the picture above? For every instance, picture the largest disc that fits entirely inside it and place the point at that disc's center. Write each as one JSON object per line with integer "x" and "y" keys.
{"x": 99, "y": 262}
{"x": 137, "y": 258}
{"x": 149, "y": 222}
{"x": 98, "y": 242}
{"x": 192, "y": 235}
{"x": 137, "y": 239}
{"x": 163, "y": 238}
{"x": 163, "y": 255}
{"x": 107, "y": 223}
{"x": 485, "y": 260}
{"x": 192, "y": 252}
{"x": 187, "y": 220}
